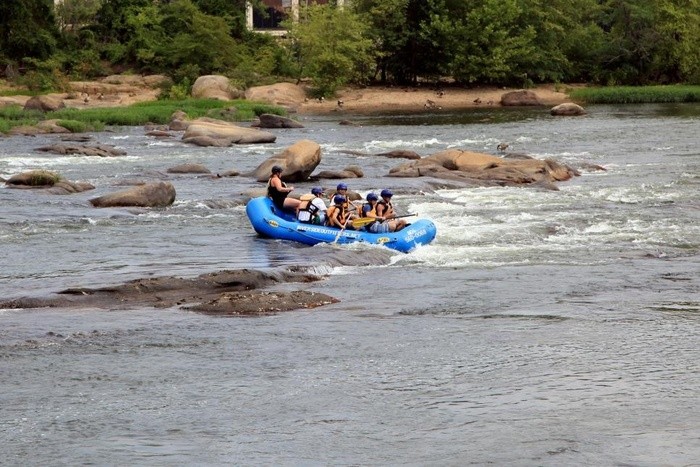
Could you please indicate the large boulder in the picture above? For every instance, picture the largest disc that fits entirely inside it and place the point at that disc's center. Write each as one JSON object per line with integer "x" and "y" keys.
{"x": 298, "y": 161}
{"x": 284, "y": 94}
{"x": 215, "y": 87}
{"x": 44, "y": 103}
{"x": 150, "y": 195}
{"x": 522, "y": 97}
{"x": 225, "y": 133}
{"x": 567, "y": 109}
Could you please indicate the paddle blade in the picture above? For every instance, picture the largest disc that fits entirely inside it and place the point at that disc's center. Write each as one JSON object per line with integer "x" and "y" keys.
{"x": 362, "y": 221}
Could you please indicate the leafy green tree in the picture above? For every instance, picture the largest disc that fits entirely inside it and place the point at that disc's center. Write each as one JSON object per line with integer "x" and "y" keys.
{"x": 650, "y": 42}
{"x": 112, "y": 19}
{"x": 27, "y": 29}
{"x": 73, "y": 14}
{"x": 565, "y": 36}
{"x": 332, "y": 47}
{"x": 191, "y": 37}
{"x": 679, "y": 51}
{"x": 388, "y": 32}
{"x": 231, "y": 11}
{"x": 493, "y": 46}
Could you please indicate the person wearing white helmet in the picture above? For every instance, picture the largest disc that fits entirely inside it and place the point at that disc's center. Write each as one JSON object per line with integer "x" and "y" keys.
{"x": 312, "y": 209}
{"x": 278, "y": 191}
{"x": 386, "y": 210}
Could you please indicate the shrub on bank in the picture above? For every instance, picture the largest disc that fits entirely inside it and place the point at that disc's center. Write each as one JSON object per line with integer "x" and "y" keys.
{"x": 160, "y": 111}
{"x": 95, "y": 119}
{"x": 637, "y": 94}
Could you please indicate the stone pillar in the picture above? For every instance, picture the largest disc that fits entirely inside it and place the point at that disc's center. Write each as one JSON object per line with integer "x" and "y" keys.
{"x": 295, "y": 11}
{"x": 249, "y": 16}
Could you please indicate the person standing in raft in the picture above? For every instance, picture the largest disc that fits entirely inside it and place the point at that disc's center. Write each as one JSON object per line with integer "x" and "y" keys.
{"x": 312, "y": 209}
{"x": 386, "y": 210}
{"x": 278, "y": 191}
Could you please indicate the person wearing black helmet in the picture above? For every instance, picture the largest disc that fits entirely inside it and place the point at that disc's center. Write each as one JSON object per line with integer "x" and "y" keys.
{"x": 312, "y": 209}
{"x": 278, "y": 191}
{"x": 386, "y": 210}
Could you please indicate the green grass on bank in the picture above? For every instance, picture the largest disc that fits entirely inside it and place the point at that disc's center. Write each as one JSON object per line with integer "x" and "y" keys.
{"x": 159, "y": 112}
{"x": 637, "y": 95}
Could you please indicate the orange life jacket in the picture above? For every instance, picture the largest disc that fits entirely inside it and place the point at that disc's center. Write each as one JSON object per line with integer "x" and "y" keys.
{"x": 342, "y": 214}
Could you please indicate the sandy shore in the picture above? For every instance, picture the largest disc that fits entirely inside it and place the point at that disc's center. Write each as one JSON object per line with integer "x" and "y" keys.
{"x": 374, "y": 99}
{"x": 415, "y": 99}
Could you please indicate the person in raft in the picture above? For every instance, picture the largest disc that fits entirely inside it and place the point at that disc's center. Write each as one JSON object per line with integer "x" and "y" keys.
{"x": 312, "y": 209}
{"x": 349, "y": 206}
{"x": 381, "y": 225}
{"x": 386, "y": 210}
{"x": 338, "y": 216}
{"x": 278, "y": 191}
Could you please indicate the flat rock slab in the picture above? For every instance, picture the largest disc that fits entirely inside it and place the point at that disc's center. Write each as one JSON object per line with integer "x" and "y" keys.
{"x": 228, "y": 293}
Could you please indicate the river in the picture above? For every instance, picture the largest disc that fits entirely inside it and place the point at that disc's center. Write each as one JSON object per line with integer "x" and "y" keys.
{"x": 539, "y": 328}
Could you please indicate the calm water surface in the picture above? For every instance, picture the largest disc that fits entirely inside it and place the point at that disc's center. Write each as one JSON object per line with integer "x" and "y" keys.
{"x": 540, "y": 328}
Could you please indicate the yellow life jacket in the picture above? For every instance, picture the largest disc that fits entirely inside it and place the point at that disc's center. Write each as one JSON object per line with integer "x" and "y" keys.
{"x": 306, "y": 203}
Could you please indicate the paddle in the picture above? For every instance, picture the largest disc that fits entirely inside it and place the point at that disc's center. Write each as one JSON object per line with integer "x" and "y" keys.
{"x": 341, "y": 231}
{"x": 362, "y": 221}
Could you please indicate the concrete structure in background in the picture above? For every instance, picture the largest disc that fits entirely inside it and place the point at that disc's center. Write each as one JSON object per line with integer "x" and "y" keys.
{"x": 278, "y": 10}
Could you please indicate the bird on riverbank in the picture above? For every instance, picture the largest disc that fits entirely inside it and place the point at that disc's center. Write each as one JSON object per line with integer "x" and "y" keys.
{"x": 502, "y": 147}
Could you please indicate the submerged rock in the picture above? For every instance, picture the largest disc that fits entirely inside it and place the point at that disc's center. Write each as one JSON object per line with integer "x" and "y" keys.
{"x": 230, "y": 293}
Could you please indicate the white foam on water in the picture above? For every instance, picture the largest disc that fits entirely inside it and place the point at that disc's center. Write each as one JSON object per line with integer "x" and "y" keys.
{"x": 378, "y": 145}
{"x": 29, "y": 162}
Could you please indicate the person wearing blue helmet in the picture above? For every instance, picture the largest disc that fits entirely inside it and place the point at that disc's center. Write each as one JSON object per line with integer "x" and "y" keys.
{"x": 349, "y": 207}
{"x": 386, "y": 210}
{"x": 312, "y": 209}
{"x": 381, "y": 224}
{"x": 338, "y": 216}
{"x": 369, "y": 210}
{"x": 278, "y": 191}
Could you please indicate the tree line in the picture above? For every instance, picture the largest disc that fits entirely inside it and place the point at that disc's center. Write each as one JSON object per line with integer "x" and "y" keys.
{"x": 403, "y": 42}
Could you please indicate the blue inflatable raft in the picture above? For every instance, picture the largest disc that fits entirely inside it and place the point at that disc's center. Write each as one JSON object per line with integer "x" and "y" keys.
{"x": 269, "y": 221}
